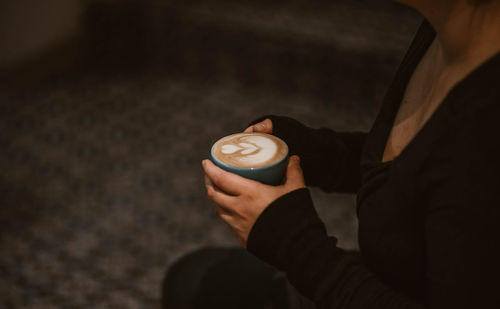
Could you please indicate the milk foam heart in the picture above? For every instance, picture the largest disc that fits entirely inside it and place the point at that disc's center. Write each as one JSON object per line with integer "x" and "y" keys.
{"x": 244, "y": 147}
{"x": 247, "y": 150}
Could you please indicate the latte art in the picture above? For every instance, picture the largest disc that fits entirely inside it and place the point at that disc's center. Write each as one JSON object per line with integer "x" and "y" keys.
{"x": 247, "y": 150}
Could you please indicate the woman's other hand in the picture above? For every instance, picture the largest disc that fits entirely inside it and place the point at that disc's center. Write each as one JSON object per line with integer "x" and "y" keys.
{"x": 265, "y": 126}
{"x": 240, "y": 201}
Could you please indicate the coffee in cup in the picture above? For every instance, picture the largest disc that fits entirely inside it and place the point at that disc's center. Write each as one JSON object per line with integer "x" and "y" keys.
{"x": 258, "y": 156}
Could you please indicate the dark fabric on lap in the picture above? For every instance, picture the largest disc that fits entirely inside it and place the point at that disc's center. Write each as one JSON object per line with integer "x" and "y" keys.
{"x": 228, "y": 278}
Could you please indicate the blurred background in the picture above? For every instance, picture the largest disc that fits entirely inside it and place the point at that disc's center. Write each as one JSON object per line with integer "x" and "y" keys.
{"x": 107, "y": 108}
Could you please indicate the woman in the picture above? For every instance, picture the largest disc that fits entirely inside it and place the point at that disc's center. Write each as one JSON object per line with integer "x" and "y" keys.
{"x": 425, "y": 178}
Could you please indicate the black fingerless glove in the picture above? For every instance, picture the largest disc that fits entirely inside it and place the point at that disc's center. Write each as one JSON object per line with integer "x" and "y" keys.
{"x": 330, "y": 160}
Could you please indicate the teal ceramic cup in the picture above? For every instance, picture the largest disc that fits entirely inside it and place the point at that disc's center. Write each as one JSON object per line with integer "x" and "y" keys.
{"x": 272, "y": 174}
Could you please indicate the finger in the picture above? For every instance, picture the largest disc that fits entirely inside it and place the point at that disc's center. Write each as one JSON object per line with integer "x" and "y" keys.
{"x": 208, "y": 182}
{"x": 294, "y": 175}
{"x": 265, "y": 126}
{"x": 224, "y": 214}
{"x": 228, "y": 182}
{"x": 213, "y": 172}
{"x": 218, "y": 196}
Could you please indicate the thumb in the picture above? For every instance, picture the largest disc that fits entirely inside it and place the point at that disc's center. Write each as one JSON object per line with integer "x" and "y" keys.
{"x": 265, "y": 126}
{"x": 294, "y": 175}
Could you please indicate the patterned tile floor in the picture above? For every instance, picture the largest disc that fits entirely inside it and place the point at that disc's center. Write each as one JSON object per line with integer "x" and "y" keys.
{"x": 100, "y": 191}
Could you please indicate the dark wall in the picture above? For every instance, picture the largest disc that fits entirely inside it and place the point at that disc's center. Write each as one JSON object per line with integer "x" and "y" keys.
{"x": 284, "y": 45}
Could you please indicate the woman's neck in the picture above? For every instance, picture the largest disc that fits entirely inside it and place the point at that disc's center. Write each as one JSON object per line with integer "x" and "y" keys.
{"x": 467, "y": 35}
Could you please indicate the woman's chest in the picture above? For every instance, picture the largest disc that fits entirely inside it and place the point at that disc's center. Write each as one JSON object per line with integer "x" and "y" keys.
{"x": 392, "y": 205}
{"x": 391, "y": 228}
{"x": 391, "y": 214}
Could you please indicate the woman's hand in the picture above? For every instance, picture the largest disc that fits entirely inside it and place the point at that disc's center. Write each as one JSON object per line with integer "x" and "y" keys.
{"x": 265, "y": 126}
{"x": 240, "y": 201}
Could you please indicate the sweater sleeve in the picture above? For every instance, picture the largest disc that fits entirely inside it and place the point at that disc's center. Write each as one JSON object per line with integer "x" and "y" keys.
{"x": 290, "y": 236}
{"x": 330, "y": 160}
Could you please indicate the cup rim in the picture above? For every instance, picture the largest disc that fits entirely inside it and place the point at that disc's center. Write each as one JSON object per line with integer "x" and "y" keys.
{"x": 249, "y": 168}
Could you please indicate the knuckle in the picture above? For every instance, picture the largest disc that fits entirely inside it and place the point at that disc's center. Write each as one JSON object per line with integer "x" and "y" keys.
{"x": 268, "y": 123}
{"x": 249, "y": 197}
{"x": 217, "y": 211}
{"x": 243, "y": 214}
{"x": 211, "y": 192}
{"x": 217, "y": 179}
{"x": 251, "y": 192}
{"x": 221, "y": 180}
{"x": 220, "y": 211}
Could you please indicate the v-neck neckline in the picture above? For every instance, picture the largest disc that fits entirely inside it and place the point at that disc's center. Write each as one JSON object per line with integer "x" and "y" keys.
{"x": 425, "y": 37}
{"x": 444, "y": 106}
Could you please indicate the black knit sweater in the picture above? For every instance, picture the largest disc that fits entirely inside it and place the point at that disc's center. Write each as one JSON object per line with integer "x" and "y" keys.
{"x": 429, "y": 221}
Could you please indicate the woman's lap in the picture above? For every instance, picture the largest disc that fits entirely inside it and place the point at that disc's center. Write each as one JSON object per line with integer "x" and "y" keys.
{"x": 228, "y": 278}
